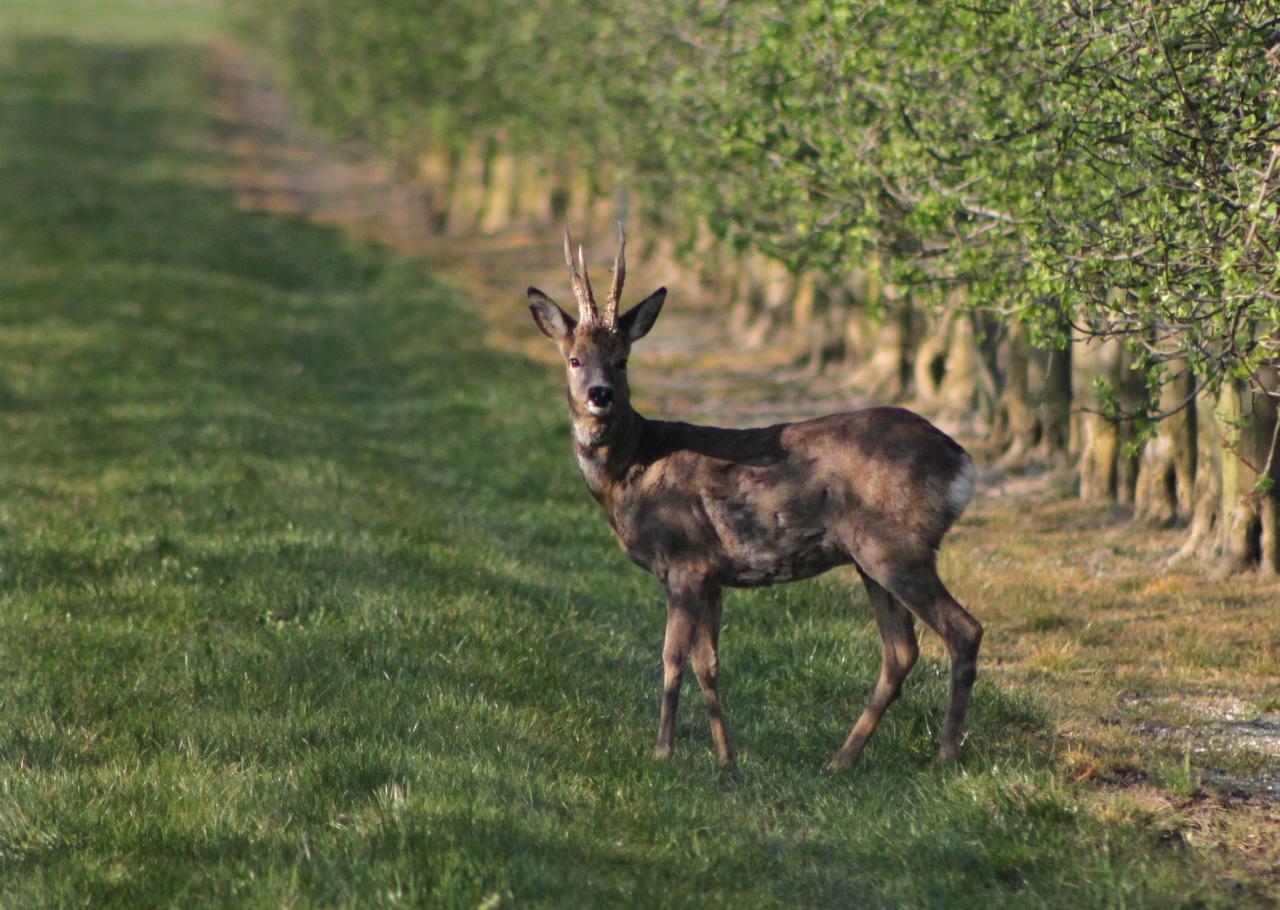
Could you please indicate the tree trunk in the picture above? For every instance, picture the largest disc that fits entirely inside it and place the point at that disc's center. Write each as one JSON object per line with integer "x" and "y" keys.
{"x": 1016, "y": 427}
{"x": 710, "y": 263}
{"x": 803, "y": 304}
{"x": 1131, "y": 392}
{"x": 958, "y": 391}
{"x": 1166, "y": 470}
{"x": 434, "y": 171}
{"x": 466, "y": 189}
{"x": 1098, "y": 437}
{"x": 499, "y": 192}
{"x": 1235, "y": 525}
{"x": 578, "y": 200}
{"x": 1050, "y": 384}
{"x": 884, "y": 372}
{"x": 1033, "y": 422}
{"x": 829, "y": 339}
{"x": 605, "y": 212}
{"x": 663, "y": 262}
{"x": 1201, "y": 534}
{"x": 534, "y": 194}
{"x": 562, "y": 183}
{"x": 1247, "y": 534}
{"x": 809, "y": 324}
{"x": 929, "y": 362}
{"x": 1236, "y": 515}
{"x": 767, "y": 293}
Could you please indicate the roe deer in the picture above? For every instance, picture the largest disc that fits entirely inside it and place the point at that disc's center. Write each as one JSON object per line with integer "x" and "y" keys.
{"x": 704, "y": 508}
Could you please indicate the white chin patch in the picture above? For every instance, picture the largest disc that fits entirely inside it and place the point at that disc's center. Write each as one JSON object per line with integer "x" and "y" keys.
{"x": 596, "y": 411}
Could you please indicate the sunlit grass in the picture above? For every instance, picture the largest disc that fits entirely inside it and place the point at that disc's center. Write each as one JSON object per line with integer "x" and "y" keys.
{"x": 1085, "y": 616}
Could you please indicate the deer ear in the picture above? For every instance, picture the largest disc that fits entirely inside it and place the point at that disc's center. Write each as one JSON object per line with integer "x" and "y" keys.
{"x": 636, "y": 322}
{"x": 552, "y": 321}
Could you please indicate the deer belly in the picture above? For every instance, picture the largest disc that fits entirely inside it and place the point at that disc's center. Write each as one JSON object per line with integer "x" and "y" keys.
{"x": 755, "y": 570}
{"x": 741, "y": 548}
{"x": 764, "y": 549}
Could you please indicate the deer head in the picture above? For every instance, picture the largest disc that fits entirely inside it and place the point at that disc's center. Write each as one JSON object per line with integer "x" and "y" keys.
{"x": 595, "y": 346}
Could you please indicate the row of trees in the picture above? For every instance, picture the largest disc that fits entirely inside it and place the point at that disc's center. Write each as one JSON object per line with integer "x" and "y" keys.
{"x": 1061, "y": 214}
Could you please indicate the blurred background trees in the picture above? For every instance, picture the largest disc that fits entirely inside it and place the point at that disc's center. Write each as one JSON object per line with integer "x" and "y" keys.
{"x": 1057, "y": 219}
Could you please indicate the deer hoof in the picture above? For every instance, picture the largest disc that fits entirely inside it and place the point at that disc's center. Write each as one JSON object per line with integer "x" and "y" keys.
{"x": 661, "y": 752}
{"x": 844, "y": 760}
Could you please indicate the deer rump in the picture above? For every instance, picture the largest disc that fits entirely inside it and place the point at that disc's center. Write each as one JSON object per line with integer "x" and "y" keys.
{"x": 759, "y": 506}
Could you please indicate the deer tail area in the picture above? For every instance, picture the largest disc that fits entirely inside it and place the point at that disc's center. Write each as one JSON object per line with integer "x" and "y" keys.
{"x": 960, "y": 490}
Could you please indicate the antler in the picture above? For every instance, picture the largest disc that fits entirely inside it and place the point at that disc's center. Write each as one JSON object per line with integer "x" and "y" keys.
{"x": 581, "y": 283}
{"x": 610, "y": 315}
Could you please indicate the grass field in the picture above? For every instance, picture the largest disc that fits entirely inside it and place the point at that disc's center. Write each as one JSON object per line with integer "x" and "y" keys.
{"x": 302, "y": 603}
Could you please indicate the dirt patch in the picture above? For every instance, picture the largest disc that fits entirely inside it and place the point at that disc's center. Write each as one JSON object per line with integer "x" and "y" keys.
{"x": 1211, "y": 727}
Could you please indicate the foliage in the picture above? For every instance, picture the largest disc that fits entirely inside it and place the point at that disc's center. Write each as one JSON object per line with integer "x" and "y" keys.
{"x": 1100, "y": 164}
{"x": 1164, "y": 226}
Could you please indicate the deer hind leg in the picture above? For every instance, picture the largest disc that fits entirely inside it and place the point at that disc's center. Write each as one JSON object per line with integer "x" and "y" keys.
{"x": 706, "y": 666}
{"x": 686, "y": 604}
{"x": 898, "y": 638}
{"x": 926, "y": 596}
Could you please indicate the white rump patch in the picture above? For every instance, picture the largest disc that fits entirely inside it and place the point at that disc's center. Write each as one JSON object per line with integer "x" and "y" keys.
{"x": 960, "y": 490}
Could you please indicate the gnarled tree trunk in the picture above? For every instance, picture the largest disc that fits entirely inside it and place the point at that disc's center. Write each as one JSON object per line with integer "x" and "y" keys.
{"x": 1235, "y": 526}
{"x": 958, "y": 391}
{"x": 1166, "y": 470}
{"x": 929, "y": 361}
{"x": 1201, "y": 534}
{"x": 1097, "y": 436}
{"x": 1049, "y": 378}
{"x": 881, "y": 350}
{"x": 1033, "y": 422}
{"x": 1247, "y": 534}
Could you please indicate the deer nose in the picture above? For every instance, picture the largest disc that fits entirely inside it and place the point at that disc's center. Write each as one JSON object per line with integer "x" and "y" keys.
{"x": 600, "y": 395}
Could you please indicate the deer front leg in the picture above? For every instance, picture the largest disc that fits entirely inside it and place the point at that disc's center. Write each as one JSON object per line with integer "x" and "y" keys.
{"x": 685, "y": 604}
{"x": 706, "y": 666}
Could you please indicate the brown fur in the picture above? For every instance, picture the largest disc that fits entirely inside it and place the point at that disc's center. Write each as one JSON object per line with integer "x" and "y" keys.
{"x": 781, "y": 503}
{"x": 704, "y": 508}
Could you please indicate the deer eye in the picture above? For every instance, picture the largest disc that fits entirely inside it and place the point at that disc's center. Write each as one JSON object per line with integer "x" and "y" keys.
{"x": 622, "y": 364}
{"x": 575, "y": 362}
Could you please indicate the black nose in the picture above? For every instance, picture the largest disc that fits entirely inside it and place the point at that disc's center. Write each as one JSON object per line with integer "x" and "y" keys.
{"x": 600, "y": 395}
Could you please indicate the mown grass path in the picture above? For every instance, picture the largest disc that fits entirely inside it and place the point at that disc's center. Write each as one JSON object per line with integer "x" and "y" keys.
{"x": 301, "y": 603}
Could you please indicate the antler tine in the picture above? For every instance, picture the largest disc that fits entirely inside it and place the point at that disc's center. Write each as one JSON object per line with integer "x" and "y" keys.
{"x": 581, "y": 285}
{"x": 586, "y": 279}
{"x": 619, "y": 276}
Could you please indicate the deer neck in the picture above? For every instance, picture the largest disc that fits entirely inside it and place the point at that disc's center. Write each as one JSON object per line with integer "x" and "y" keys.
{"x": 605, "y": 449}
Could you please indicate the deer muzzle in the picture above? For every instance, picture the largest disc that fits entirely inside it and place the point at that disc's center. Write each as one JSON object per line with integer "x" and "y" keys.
{"x": 599, "y": 400}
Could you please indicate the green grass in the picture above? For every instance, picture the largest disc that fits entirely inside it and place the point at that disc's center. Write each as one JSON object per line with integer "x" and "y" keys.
{"x": 302, "y": 603}
{"x": 120, "y": 22}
